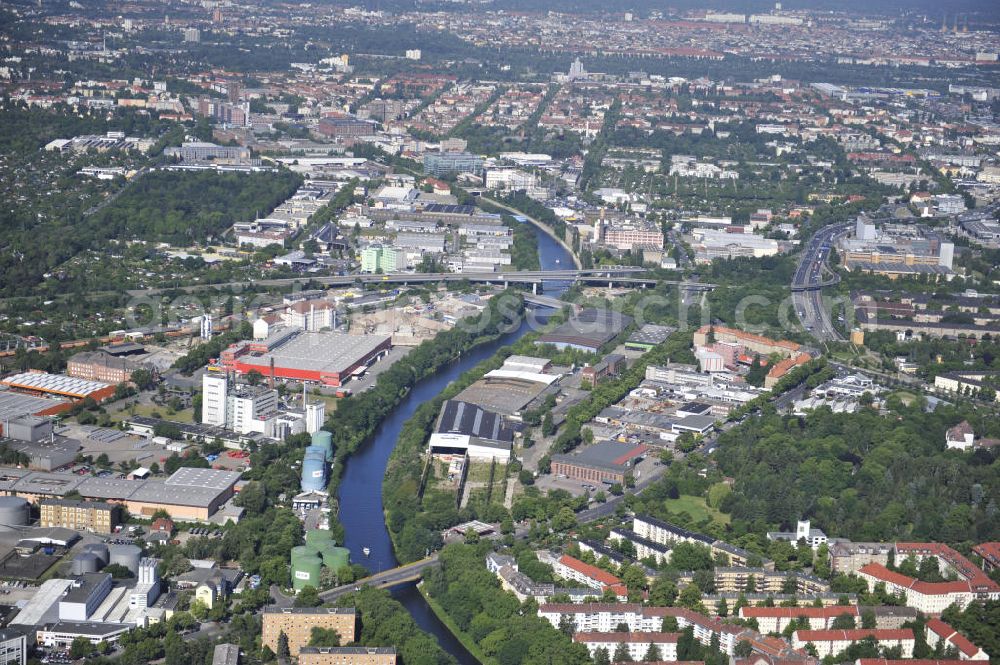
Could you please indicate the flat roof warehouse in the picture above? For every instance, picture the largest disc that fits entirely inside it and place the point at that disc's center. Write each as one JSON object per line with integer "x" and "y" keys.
{"x": 323, "y": 357}
{"x": 188, "y": 493}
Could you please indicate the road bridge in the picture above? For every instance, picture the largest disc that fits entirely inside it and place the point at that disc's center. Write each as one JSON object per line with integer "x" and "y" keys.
{"x": 405, "y": 574}
{"x": 622, "y": 276}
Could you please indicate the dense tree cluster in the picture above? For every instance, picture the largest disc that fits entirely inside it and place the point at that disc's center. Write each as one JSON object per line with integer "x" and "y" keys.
{"x": 864, "y": 476}
{"x": 384, "y": 621}
{"x": 185, "y": 208}
{"x": 505, "y": 630}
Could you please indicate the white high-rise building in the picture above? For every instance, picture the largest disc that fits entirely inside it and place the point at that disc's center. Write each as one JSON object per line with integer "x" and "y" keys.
{"x": 242, "y": 409}
{"x": 214, "y": 398}
{"x": 864, "y": 229}
{"x": 147, "y": 588}
{"x": 206, "y": 326}
{"x": 315, "y": 416}
{"x": 249, "y": 408}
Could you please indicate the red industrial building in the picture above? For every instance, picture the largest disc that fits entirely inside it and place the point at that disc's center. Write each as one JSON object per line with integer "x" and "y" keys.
{"x": 327, "y": 358}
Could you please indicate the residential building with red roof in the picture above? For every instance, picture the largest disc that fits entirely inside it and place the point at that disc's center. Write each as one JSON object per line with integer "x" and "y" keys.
{"x": 937, "y": 631}
{"x": 948, "y": 560}
{"x": 918, "y": 661}
{"x": 928, "y": 597}
{"x": 776, "y": 619}
{"x": 575, "y": 570}
{"x": 638, "y": 644}
{"x": 990, "y": 552}
{"x": 832, "y": 642}
{"x": 605, "y": 617}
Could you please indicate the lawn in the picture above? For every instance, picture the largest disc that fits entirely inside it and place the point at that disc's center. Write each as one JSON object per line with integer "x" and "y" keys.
{"x": 696, "y": 507}
{"x": 182, "y": 416}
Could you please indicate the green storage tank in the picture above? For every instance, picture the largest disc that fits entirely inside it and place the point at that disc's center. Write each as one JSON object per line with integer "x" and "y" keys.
{"x": 334, "y": 557}
{"x": 317, "y": 538}
{"x": 324, "y": 440}
{"x": 306, "y": 567}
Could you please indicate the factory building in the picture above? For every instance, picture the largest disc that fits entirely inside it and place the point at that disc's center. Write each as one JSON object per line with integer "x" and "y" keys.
{"x": 607, "y": 462}
{"x": 101, "y": 366}
{"x": 94, "y": 516}
{"x": 328, "y": 358}
{"x": 190, "y": 493}
{"x": 58, "y": 386}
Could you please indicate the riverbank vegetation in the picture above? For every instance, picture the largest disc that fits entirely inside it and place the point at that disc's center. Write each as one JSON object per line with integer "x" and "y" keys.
{"x": 508, "y": 632}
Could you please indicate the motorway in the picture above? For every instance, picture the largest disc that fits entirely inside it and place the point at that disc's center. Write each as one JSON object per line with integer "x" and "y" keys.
{"x": 810, "y": 277}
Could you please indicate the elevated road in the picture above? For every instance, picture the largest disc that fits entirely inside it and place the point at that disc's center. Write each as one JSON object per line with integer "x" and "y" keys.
{"x": 405, "y": 574}
{"x": 620, "y": 276}
{"x": 811, "y": 276}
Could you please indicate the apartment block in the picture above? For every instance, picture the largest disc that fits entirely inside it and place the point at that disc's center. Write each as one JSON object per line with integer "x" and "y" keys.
{"x": 297, "y": 624}
{"x": 348, "y": 656}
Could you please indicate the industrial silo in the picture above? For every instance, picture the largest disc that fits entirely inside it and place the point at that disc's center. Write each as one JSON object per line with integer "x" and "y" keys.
{"x": 126, "y": 555}
{"x": 316, "y": 539}
{"x": 314, "y": 470}
{"x": 335, "y": 557}
{"x": 13, "y": 512}
{"x": 324, "y": 440}
{"x": 85, "y": 562}
{"x": 100, "y": 550}
{"x": 306, "y": 566}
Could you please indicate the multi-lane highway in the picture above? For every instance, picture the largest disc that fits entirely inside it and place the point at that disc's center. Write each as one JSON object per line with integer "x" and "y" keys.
{"x": 810, "y": 277}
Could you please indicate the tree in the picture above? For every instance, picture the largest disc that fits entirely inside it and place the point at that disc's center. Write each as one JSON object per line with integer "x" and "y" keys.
{"x": 843, "y": 621}
{"x": 564, "y": 520}
{"x": 80, "y": 648}
{"x": 118, "y": 571}
{"x": 198, "y": 609}
{"x": 652, "y": 654}
{"x": 722, "y": 608}
{"x": 743, "y": 649}
{"x": 548, "y": 425}
{"x": 669, "y": 625}
{"x": 283, "y": 650}
{"x": 254, "y": 377}
{"x": 690, "y": 597}
{"x": 323, "y": 637}
{"x": 622, "y": 654}
{"x": 143, "y": 378}
{"x": 601, "y": 657}
{"x": 308, "y": 597}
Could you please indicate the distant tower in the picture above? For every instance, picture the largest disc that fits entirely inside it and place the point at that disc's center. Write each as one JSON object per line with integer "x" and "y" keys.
{"x": 217, "y": 16}
{"x": 206, "y": 326}
{"x": 777, "y": 6}
{"x": 233, "y": 90}
{"x": 802, "y": 530}
{"x": 944, "y": 22}
{"x": 965, "y": 24}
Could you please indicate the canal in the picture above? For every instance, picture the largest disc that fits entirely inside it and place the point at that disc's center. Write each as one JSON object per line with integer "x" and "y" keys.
{"x": 360, "y": 492}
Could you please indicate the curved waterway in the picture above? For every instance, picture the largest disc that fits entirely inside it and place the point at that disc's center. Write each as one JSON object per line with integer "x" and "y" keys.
{"x": 360, "y": 492}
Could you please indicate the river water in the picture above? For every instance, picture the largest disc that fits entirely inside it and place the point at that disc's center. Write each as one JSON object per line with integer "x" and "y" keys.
{"x": 360, "y": 492}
